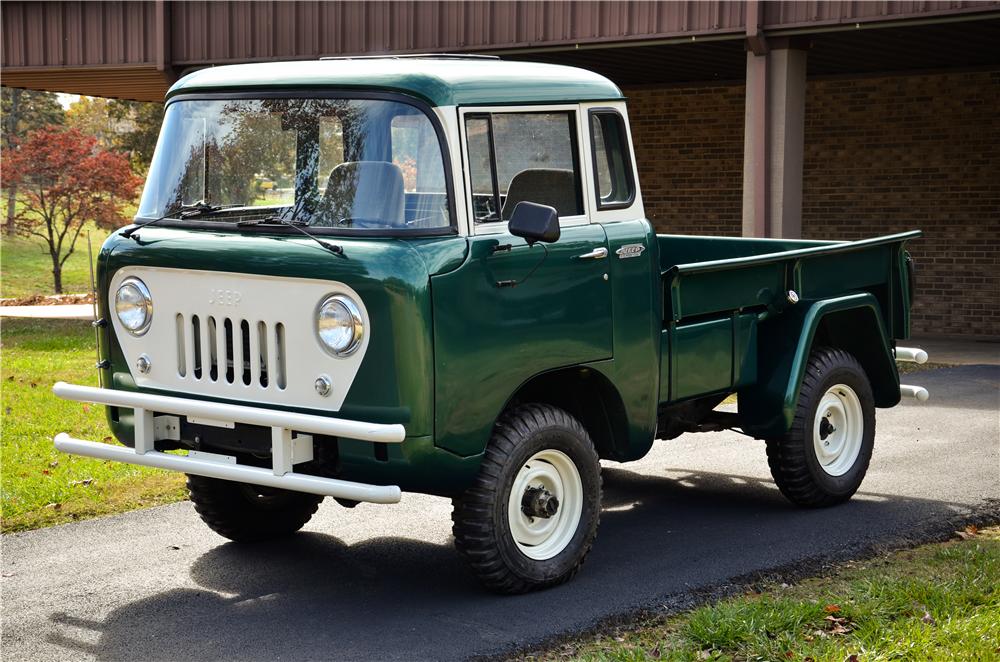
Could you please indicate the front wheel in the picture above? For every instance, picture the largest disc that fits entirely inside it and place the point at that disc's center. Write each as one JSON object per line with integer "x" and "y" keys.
{"x": 824, "y": 456}
{"x": 532, "y": 515}
{"x": 250, "y": 513}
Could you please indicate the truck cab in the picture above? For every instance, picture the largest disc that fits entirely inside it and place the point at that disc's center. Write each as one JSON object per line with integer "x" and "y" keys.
{"x": 352, "y": 278}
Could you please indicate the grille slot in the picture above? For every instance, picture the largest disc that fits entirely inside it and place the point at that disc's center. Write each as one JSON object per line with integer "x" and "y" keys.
{"x": 231, "y": 351}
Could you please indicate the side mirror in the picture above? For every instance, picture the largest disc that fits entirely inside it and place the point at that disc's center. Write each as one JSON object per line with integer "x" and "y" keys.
{"x": 534, "y": 222}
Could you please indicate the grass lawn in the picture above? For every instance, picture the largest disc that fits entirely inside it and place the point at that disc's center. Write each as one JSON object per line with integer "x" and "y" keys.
{"x": 936, "y": 602}
{"x": 26, "y": 268}
{"x": 39, "y": 485}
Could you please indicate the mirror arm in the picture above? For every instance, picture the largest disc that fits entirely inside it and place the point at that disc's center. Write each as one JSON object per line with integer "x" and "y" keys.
{"x": 515, "y": 283}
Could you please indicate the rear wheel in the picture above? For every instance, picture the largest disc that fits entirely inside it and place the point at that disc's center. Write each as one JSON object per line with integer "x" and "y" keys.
{"x": 250, "y": 513}
{"x": 823, "y": 458}
{"x": 532, "y": 515}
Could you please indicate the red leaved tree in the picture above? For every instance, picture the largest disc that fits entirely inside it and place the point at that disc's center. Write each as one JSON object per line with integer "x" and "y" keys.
{"x": 65, "y": 180}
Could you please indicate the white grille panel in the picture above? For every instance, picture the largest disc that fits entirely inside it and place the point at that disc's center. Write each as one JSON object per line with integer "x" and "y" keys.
{"x": 231, "y": 351}
{"x": 238, "y": 336}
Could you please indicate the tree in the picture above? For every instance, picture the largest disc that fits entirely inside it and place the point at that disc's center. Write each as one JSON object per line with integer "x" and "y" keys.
{"x": 139, "y": 140}
{"x": 23, "y": 111}
{"x": 91, "y": 116}
{"x": 66, "y": 180}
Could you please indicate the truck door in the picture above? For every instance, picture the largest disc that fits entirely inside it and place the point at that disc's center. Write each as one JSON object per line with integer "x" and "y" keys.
{"x": 512, "y": 311}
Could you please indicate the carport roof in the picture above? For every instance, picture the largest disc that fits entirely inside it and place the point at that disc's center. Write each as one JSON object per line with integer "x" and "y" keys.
{"x": 439, "y": 81}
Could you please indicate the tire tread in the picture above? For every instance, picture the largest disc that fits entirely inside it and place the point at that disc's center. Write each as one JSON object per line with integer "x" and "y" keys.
{"x": 471, "y": 526}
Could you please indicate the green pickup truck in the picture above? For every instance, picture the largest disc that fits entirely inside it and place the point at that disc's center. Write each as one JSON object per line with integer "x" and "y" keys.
{"x": 448, "y": 285}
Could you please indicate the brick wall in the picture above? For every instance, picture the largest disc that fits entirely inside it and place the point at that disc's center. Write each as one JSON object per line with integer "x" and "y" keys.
{"x": 689, "y": 151}
{"x": 882, "y": 155}
{"x": 914, "y": 152}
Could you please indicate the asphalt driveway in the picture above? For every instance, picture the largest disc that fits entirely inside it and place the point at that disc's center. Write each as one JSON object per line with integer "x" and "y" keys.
{"x": 383, "y": 582}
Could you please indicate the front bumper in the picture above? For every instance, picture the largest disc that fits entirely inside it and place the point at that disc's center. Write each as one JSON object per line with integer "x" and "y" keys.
{"x": 291, "y": 441}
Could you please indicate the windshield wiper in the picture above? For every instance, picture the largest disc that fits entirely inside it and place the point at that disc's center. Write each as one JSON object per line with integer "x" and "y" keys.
{"x": 296, "y": 225}
{"x": 200, "y": 208}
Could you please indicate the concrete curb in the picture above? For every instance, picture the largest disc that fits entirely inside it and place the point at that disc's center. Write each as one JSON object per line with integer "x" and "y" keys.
{"x": 76, "y": 311}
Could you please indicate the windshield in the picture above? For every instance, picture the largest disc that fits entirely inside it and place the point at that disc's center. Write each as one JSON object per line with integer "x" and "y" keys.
{"x": 357, "y": 164}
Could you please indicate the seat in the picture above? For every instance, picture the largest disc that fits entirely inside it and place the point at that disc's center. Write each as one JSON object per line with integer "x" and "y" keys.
{"x": 364, "y": 190}
{"x": 545, "y": 186}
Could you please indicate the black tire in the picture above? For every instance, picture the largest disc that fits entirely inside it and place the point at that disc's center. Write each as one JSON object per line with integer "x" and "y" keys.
{"x": 480, "y": 517}
{"x": 793, "y": 458}
{"x": 250, "y": 513}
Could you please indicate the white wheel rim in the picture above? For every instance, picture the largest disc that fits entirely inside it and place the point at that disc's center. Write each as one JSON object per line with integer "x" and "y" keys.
{"x": 542, "y": 538}
{"x": 838, "y": 429}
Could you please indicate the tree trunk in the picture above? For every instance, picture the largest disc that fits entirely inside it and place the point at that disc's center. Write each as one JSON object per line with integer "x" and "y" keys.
{"x": 9, "y": 227}
{"x": 12, "y": 118}
{"x": 57, "y": 276}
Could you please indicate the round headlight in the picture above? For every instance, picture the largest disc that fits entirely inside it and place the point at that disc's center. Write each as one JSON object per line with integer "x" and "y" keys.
{"x": 339, "y": 325}
{"x": 134, "y": 306}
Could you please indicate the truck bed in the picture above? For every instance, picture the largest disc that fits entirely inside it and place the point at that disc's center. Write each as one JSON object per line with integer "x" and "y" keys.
{"x": 717, "y": 292}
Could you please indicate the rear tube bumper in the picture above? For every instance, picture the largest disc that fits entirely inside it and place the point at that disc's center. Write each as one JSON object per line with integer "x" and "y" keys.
{"x": 912, "y": 355}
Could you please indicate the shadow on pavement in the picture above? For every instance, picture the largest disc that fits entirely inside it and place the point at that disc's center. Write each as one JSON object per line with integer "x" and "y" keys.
{"x": 312, "y": 596}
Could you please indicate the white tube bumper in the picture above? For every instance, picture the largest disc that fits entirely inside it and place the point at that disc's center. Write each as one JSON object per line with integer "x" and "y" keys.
{"x": 911, "y": 354}
{"x": 335, "y": 427}
{"x": 288, "y": 445}
{"x": 917, "y": 392}
{"x": 225, "y": 468}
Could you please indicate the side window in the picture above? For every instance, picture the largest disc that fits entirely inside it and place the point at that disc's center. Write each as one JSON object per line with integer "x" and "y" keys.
{"x": 614, "y": 183}
{"x": 515, "y": 157}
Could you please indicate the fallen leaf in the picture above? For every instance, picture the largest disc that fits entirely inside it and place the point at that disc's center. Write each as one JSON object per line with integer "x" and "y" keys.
{"x": 86, "y": 409}
{"x": 838, "y": 625}
{"x": 655, "y": 653}
{"x": 852, "y": 658}
{"x": 46, "y": 472}
{"x": 972, "y": 529}
{"x": 704, "y": 655}
{"x": 831, "y": 609}
{"x": 34, "y": 385}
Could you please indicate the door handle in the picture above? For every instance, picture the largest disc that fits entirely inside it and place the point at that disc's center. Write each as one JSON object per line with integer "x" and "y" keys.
{"x": 596, "y": 254}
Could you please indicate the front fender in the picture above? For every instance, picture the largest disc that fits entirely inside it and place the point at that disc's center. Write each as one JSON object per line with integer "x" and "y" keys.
{"x": 853, "y": 323}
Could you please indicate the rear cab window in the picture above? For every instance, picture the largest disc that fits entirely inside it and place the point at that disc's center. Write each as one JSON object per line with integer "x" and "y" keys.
{"x": 614, "y": 183}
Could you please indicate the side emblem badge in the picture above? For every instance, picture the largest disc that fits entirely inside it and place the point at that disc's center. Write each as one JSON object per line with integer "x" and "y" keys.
{"x": 630, "y": 250}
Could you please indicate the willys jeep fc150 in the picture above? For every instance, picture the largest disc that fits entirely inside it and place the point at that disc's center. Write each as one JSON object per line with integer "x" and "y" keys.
{"x": 355, "y": 277}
